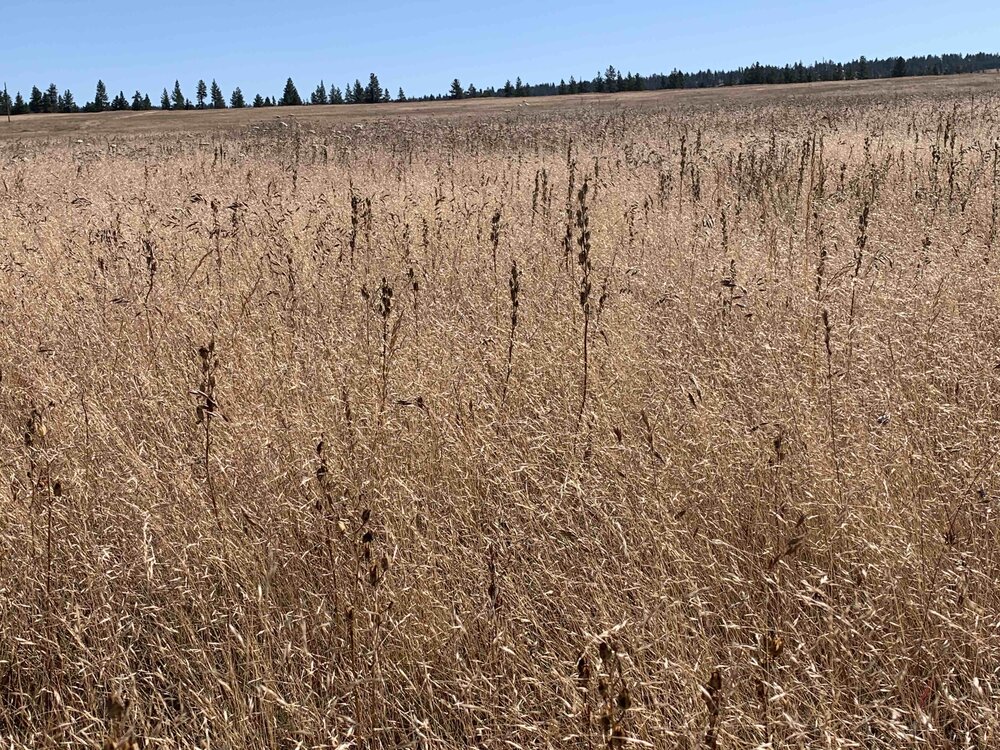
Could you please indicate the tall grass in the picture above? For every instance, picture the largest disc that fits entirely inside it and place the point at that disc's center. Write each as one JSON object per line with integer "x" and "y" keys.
{"x": 379, "y": 530}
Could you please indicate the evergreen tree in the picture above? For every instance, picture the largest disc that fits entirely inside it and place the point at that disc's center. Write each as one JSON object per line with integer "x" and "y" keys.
{"x": 236, "y": 101}
{"x": 290, "y": 98}
{"x": 508, "y": 88}
{"x": 119, "y": 103}
{"x": 456, "y": 91}
{"x": 386, "y": 96}
{"x": 611, "y": 77}
{"x": 598, "y": 84}
{"x": 574, "y": 87}
{"x": 268, "y": 102}
{"x": 50, "y": 100}
{"x": 164, "y": 100}
{"x": 471, "y": 92}
{"x": 258, "y": 101}
{"x": 319, "y": 95}
{"x": 358, "y": 93}
{"x": 899, "y": 68}
{"x": 400, "y": 97}
{"x": 218, "y": 100}
{"x": 137, "y": 102}
{"x": 147, "y": 104}
{"x": 201, "y": 93}
{"x": 562, "y": 87}
{"x": 336, "y": 95}
{"x": 35, "y": 102}
{"x": 861, "y": 68}
{"x": 518, "y": 87}
{"x": 67, "y": 103}
{"x": 373, "y": 91}
{"x": 100, "y": 97}
{"x": 177, "y": 100}
{"x": 20, "y": 106}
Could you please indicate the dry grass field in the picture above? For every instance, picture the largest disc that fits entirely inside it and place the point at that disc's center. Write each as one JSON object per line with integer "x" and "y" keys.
{"x": 666, "y": 420}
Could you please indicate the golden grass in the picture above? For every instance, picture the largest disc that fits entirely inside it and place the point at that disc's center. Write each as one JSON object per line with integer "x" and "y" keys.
{"x": 297, "y": 456}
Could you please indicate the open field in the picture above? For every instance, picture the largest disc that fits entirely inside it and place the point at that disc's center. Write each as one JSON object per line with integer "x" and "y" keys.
{"x": 661, "y": 420}
{"x": 107, "y": 124}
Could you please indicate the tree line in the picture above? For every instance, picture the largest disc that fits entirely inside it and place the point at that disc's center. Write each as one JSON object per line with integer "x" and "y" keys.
{"x": 610, "y": 80}
{"x": 207, "y": 96}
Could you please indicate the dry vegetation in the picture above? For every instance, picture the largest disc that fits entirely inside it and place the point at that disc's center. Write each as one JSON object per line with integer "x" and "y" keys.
{"x": 671, "y": 426}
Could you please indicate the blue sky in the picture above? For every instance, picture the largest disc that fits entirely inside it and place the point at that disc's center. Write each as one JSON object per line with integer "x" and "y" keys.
{"x": 422, "y": 45}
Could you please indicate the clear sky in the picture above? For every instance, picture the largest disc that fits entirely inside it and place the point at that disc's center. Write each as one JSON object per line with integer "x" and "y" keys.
{"x": 422, "y": 45}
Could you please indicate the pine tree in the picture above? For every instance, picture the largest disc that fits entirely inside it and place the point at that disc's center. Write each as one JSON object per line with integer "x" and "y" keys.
{"x": 20, "y": 106}
{"x": 119, "y": 103}
{"x": 359, "y": 92}
{"x": 574, "y": 87}
{"x": 373, "y": 91}
{"x": 165, "y": 100}
{"x": 147, "y": 104}
{"x": 218, "y": 100}
{"x": 290, "y": 98}
{"x": 386, "y": 96}
{"x": 50, "y": 100}
{"x": 201, "y": 93}
{"x": 35, "y": 102}
{"x": 268, "y": 102}
{"x": 336, "y": 95}
{"x": 258, "y": 101}
{"x": 67, "y": 102}
{"x": 400, "y": 97}
{"x": 518, "y": 87}
{"x": 236, "y": 101}
{"x": 611, "y": 79}
{"x": 100, "y": 97}
{"x": 899, "y": 68}
{"x": 562, "y": 86}
{"x": 862, "y": 68}
{"x": 136, "y": 102}
{"x": 508, "y": 88}
{"x": 177, "y": 98}
{"x": 456, "y": 91}
{"x": 319, "y": 95}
